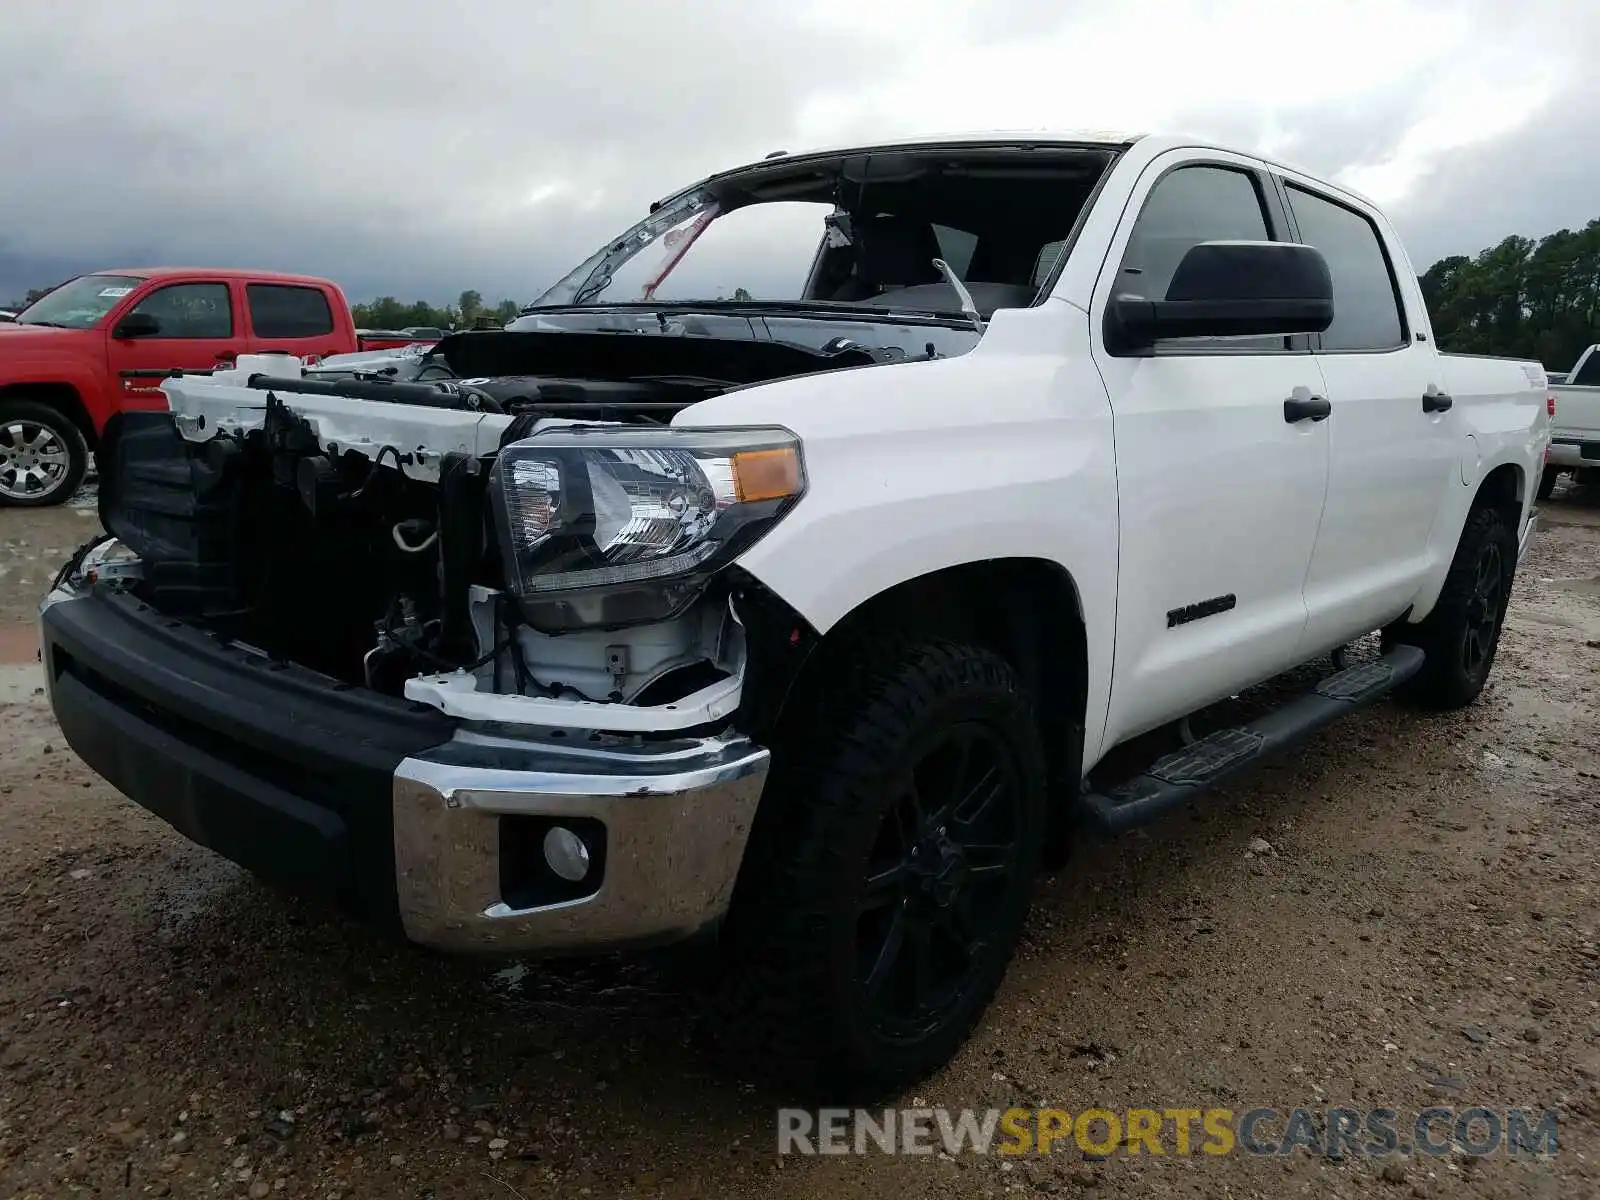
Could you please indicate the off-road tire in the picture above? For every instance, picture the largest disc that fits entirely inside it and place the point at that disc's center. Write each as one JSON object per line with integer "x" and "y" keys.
{"x": 794, "y": 1004}
{"x": 1452, "y": 676}
{"x": 33, "y": 414}
{"x": 1547, "y": 482}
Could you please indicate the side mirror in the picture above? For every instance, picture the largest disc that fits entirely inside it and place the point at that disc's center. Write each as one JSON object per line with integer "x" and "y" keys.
{"x": 137, "y": 325}
{"x": 1231, "y": 289}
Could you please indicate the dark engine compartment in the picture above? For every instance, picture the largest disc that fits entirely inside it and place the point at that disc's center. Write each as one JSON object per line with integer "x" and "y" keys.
{"x": 343, "y": 563}
{"x": 268, "y": 541}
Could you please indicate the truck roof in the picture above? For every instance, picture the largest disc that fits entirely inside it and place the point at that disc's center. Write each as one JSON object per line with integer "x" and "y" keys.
{"x": 1002, "y": 137}
{"x": 215, "y": 273}
{"x": 1153, "y": 144}
{"x": 1099, "y": 137}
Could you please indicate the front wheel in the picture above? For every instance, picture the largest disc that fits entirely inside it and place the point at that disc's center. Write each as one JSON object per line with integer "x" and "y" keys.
{"x": 888, "y": 883}
{"x": 43, "y": 455}
{"x": 1547, "y": 482}
{"x": 1462, "y": 633}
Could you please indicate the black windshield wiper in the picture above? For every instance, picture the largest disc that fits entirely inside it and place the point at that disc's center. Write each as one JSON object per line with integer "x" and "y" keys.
{"x": 51, "y": 324}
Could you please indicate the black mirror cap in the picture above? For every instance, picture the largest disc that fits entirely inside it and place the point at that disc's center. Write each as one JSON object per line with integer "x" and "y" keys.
{"x": 137, "y": 325}
{"x": 1232, "y": 289}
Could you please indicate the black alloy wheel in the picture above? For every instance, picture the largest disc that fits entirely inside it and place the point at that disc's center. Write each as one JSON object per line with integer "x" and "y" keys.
{"x": 936, "y": 884}
{"x": 1485, "y": 603}
{"x": 890, "y": 869}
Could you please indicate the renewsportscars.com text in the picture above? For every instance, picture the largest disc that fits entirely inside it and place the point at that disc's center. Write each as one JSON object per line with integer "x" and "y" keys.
{"x": 1331, "y": 1132}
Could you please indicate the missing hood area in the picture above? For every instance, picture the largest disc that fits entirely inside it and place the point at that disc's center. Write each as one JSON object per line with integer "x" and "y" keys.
{"x": 351, "y": 525}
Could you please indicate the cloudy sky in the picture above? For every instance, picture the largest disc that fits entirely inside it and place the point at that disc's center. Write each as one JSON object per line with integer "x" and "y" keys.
{"x": 419, "y": 148}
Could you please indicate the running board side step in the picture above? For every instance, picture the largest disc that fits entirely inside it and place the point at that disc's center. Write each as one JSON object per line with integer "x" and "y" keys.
{"x": 1182, "y": 775}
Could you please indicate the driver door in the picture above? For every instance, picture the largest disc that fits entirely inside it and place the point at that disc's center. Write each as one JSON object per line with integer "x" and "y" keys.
{"x": 198, "y": 329}
{"x": 1219, "y": 494}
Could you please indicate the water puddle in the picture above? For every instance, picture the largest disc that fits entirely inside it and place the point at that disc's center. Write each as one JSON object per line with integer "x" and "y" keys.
{"x": 21, "y": 683}
{"x": 195, "y": 892}
{"x": 597, "y": 989}
{"x": 1580, "y": 586}
{"x": 509, "y": 979}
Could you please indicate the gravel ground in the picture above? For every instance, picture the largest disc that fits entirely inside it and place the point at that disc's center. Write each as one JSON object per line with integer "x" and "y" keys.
{"x": 1421, "y": 929}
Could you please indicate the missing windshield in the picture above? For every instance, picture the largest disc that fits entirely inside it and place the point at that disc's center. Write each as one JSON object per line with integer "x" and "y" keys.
{"x": 954, "y": 232}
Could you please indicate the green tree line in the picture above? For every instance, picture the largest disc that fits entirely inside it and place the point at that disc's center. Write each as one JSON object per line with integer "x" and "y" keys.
{"x": 32, "y": 295}
{"x": 469, "y": 309}
{"x": 1522, "y": 298}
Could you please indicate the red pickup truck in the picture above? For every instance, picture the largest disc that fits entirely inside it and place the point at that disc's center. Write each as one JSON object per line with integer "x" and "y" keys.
{"x": 93, "y": 345}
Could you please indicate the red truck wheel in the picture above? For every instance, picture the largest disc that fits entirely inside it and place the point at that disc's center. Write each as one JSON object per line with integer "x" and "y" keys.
{"x": 43, "y": 455}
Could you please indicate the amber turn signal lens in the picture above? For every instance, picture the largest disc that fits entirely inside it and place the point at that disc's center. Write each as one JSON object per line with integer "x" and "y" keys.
{"x": 766, "y": 474}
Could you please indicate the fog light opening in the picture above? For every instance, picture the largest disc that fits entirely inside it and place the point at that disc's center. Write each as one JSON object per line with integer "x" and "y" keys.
{"x": 565, "y": 854}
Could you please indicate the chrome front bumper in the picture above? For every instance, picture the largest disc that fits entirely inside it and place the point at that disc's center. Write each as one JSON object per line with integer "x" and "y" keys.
{"x": 395, "y": 812}
{"x": 675, "y": 818}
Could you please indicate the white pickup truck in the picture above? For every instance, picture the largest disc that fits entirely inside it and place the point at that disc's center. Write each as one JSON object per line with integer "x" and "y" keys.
{"x": 1575, "y": 432}
{"x": 805, "y": 624}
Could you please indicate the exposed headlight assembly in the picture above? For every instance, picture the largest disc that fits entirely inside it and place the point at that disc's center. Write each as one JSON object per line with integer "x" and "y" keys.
{"x": 610, "y": 526}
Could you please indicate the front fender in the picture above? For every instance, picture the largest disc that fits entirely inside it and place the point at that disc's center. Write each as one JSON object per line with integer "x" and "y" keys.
{"x": 41, "y": 368}
{"x": 912, "y": 468}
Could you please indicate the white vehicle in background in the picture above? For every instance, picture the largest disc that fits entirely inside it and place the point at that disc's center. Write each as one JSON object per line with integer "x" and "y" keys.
{"x": 806, "y": 624}
{"x": 1575, "y": 425}
{"x": 7, "y": 315}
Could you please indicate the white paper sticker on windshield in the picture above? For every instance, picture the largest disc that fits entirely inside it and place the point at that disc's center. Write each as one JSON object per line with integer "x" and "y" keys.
{"x": 115, "y": 293}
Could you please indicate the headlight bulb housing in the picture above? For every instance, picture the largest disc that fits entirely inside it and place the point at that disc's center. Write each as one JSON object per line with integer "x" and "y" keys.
{"x": 608, "y": 526}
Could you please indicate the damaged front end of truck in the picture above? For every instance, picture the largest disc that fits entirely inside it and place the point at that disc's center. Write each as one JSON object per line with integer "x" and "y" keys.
{"x": 529, "y": 572}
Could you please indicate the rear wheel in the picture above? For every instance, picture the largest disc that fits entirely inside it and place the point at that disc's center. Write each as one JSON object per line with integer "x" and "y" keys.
{"x": 887, "y": 885}
{"x": 1462, "y": 633}
{"x": 43, "y": 455}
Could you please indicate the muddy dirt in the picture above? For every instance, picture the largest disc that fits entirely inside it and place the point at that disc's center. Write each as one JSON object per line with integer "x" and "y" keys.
{"x": 1420, "y": 928}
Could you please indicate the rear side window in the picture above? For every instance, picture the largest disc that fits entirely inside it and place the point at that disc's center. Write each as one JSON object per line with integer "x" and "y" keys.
{"x": 279, "y": 310}
{"x": 1366, "y": 305}
{"x": 1590, "y": 375}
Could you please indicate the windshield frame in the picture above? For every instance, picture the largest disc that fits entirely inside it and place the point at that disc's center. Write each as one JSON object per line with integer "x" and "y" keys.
{"x": 105, "y": 281}
{"x": 593, "y": 275}
{"x": 1088, "y": 157}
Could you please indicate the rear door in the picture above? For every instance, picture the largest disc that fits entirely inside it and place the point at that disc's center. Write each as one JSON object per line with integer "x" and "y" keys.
{"x": 291, "y": 318}
{"x": 197, "y": 328}
{"x": 1394, "y": 447}
{"x": 1219, "y": 491}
